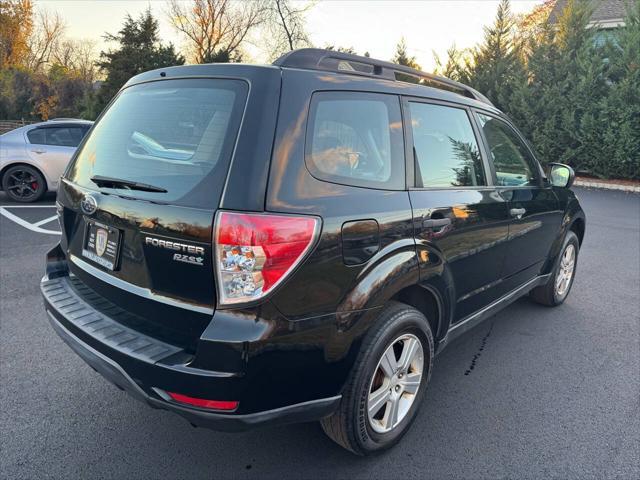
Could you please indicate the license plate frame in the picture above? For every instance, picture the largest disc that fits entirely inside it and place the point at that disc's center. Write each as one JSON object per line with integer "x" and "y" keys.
{"x": 101, "y": 244}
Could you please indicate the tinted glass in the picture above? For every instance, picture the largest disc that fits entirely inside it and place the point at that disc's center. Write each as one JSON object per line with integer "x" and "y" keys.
{"x": 511, "y": 159}
{"x": 37, "y": 136}
{"x": 64, "y": 136}
{"x": 57, "y": 136}
{"x": 175, "y": 134}
{"x": 445, "y": 147}
{"x": 356, "y": 139}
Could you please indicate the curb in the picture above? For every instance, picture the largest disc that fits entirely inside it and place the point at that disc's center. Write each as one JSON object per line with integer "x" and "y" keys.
{"x": 607, "y": 186}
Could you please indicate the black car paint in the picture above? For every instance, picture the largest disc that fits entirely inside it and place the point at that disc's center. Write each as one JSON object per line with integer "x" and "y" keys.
{"x": 300, "y": 343}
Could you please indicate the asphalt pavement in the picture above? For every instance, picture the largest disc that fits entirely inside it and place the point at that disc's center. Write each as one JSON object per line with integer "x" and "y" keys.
{"x": 554, "y": 393}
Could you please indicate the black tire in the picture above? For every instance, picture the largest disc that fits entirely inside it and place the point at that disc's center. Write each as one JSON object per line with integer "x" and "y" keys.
{"x": 24, "y": 184}
{"x": 350, "y": 426}
{"x": 548, "y": 294}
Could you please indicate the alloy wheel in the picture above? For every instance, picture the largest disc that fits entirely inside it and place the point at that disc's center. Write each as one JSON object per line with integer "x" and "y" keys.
{"x": 565, "y": 270}
{"x": 395, "y": 383}
{"x": 23, "y": 184}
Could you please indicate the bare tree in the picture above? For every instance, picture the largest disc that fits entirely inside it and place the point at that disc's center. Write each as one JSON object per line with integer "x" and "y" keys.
{"x": 215, "y": 28}
{"x": 287, "y": 26}
{"x": 47, "y": 33}
{"x": 78, "y": 57}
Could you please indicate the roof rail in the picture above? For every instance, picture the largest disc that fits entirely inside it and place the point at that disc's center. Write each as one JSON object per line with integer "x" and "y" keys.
{"x": 333, "y": 61}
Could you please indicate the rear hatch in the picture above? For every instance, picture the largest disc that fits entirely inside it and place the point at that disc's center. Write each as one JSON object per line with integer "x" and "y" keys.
{"x": 138, "y": 201}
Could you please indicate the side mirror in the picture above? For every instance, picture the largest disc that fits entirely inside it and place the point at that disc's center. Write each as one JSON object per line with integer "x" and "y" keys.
{"x": 561, "y": 175}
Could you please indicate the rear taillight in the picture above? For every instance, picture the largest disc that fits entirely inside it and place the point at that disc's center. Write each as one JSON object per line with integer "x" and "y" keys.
{"x": 255, "y": 252}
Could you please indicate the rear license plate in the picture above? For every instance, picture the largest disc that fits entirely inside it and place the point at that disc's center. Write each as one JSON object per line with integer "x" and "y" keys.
{"x": 101, "y": 244}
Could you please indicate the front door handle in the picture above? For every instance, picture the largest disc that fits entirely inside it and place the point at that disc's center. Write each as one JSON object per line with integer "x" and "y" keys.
{"x": 39, "y": 151}
{"x": 436, "y": 222}
{"x": 517, "y": 212}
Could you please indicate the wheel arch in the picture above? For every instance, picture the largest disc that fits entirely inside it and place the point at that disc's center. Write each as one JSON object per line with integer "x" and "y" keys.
{"x": 574, "y": 221}
{"x": 428, "y": 301}
{"x": 391, "y": 270}
{"x": 397, "y": 278}
{"x": 578, "y": 227}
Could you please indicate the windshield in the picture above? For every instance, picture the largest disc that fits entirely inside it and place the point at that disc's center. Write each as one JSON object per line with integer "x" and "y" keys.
{"x": 177, "y": 135}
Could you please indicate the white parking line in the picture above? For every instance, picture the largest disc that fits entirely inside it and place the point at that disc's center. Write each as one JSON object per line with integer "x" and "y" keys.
{"x": 27, "y": 206}
{"x": 46, "y": 220}
{"x": 33, "y": 227}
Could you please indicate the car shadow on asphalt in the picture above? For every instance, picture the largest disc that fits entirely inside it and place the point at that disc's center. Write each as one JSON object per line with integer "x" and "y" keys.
{"x": 450, "y": 400}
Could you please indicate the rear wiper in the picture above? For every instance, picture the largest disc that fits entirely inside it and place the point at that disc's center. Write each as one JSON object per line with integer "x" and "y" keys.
{"x": 111, "y": 182}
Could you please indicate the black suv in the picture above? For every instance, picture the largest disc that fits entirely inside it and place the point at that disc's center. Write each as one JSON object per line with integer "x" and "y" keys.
{"x": 250, "y": 245}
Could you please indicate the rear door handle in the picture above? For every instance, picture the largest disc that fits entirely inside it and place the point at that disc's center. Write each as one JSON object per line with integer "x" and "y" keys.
{"x": 517, "y": 212}
{"x": 436, "y": 222}
{"x": 39, "y": 150}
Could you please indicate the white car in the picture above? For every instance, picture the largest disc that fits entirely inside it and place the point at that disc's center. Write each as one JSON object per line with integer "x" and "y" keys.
{"x": 32, "y": 158}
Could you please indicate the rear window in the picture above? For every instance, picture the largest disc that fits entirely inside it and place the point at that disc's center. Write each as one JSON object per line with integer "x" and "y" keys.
{"x": 177, "y": 135}
{"x": 37, "y": 136}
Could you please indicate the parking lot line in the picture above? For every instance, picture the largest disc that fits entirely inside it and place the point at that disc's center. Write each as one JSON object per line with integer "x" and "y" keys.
{"x": 31, "y": 226}
{"x": 27, "y": 206}
{"x": 46, "y": 220}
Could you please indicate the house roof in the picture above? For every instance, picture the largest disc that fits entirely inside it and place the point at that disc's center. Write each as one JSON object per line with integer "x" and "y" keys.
{"x": 605, "y": 11}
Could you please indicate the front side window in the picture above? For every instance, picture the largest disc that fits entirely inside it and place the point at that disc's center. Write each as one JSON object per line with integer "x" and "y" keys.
{"x": 511, "y": 158}
{"x": 356, "y": 139}
{"x": 445, "y": 150}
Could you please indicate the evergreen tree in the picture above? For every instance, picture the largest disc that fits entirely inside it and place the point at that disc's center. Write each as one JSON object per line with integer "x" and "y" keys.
{"x": 223, "y": 56}
{"x": 402, "y": 57}
{"x": 495, "y": 68}
{"x": 454, "y": 68}
{"x": 620, "y": 141}
{"x": 566, "y": 85}
{"x": 139, "y": 50}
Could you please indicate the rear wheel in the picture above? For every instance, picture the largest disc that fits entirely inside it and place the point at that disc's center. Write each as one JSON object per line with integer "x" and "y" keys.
{"x": 24, "y": 184}
{"x": 557, "y": 288}
{"x": 387, "y": 384}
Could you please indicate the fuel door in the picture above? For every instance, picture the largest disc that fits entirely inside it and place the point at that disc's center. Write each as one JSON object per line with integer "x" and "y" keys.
{"x": 360, "y": 241}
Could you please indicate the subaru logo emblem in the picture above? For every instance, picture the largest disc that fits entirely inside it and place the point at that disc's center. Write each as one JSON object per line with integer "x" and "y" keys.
{"x": 88, "y": 204}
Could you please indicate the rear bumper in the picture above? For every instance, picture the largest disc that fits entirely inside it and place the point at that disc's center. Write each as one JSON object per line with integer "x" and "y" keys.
{"x": 68, "y": 314}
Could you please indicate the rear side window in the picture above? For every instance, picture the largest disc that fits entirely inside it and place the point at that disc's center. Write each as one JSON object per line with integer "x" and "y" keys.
{"x": 37, "y": 136}
{"x": 177, "y": 135}
{"x": 513, "y": 163}
{"x": 445, "y": 148}
{"x": 355, "y": 138}
{"x": 57, "y": 136}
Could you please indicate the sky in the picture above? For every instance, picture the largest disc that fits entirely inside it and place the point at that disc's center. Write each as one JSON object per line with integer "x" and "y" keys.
{"x": 375, "y": 26}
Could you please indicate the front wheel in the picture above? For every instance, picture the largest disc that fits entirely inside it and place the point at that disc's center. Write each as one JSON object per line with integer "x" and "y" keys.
{"x": 557, "y": 288}
{"x": 387, "y": 384}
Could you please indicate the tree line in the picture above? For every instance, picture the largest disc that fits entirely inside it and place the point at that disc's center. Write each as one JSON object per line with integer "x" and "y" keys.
{"x": 574, "y": 90}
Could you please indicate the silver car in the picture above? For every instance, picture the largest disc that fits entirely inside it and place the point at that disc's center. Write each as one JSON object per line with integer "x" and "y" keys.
{"x": 32, "y": 158}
